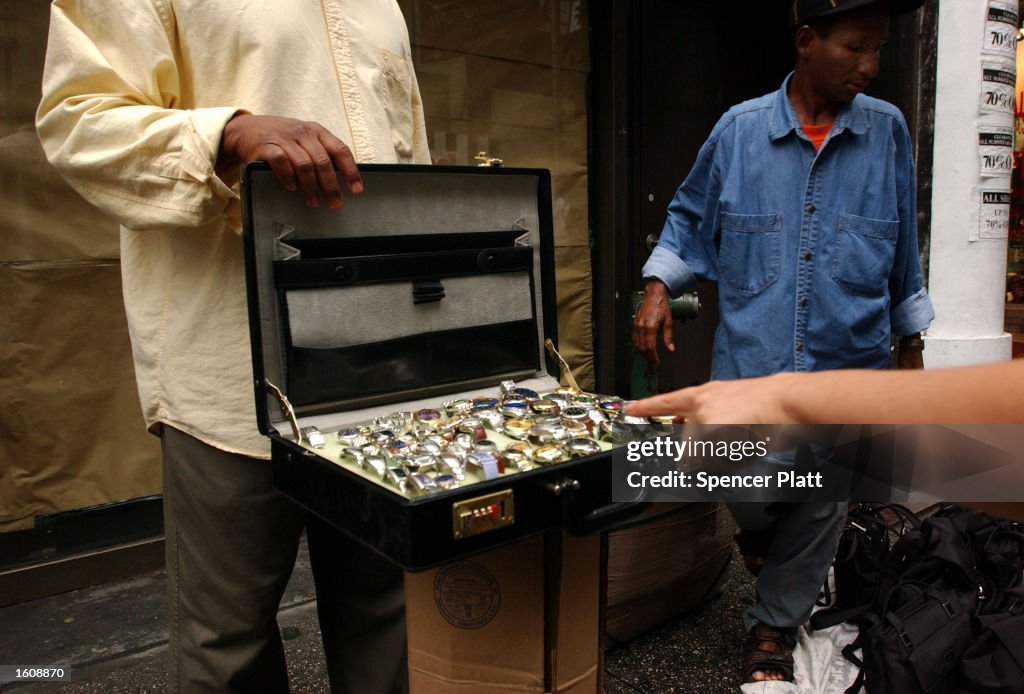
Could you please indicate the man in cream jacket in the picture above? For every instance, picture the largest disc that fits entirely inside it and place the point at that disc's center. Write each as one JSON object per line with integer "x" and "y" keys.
{"x": 149, "y": 107}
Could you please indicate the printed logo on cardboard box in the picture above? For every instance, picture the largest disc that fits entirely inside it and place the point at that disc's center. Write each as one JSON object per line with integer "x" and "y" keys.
{"x": 466, "y": 594}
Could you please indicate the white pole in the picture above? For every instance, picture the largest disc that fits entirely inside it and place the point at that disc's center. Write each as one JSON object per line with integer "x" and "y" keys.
{"x": 971, "y": 182}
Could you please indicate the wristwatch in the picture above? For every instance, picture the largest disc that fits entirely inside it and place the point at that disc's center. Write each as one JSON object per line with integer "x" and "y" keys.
{"x": 911, "y": 342}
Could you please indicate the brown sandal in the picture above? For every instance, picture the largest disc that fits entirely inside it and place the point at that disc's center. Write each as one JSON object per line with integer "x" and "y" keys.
{"x": 760, "y": 659}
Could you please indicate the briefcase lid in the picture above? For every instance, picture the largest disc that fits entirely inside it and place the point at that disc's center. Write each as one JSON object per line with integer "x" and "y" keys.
{"x": 392, "y": 299}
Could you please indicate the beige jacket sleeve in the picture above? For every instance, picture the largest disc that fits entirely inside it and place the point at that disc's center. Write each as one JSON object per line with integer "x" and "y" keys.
{"x": 112, "y": 120}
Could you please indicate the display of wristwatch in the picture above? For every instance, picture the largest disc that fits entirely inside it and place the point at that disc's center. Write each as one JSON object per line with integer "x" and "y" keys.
{"x": 466, "y": 440}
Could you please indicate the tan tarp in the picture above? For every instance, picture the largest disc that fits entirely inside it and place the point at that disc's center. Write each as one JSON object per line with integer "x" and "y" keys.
{"x": 494, "y": 79}
{"x": 71, "y": 429}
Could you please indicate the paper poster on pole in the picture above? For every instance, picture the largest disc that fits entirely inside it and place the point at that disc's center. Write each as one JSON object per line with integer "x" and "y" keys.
{"x": 998, "y": 81}
{"x": 995, "y": 150}
{"x": 993, "y": 214}
{"x": 1001, "y": 26}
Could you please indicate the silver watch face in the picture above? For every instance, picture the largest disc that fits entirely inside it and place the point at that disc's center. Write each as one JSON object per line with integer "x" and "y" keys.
{"x": 575, "y": 412}
{"x": 429, "y": 447}
{"x": 470, "y": 425}
{"x": 383, "y": 436}
{"x": 313, "y": 436}
{"x": 451, "y": 465}
{"x": 424, "y": 462}
{"x": 543, "y": 434}
{"x": 397, "y": 476}
{"x": 524, "y": 394}
{"x": 352, "y": 455}
{"x": 351, "y": 437}
{"x": 634, "y": 421}
{"x": 446, "y": 481}
{"x": 485, "y": 463}
{"x": 492, "y": 419}
{"x": 458, "y": 408}
{"x": 549, "y": 454}
{"x": 580, "y": 447}
{"x": 420, "y": 483}
{"x": 375, "y": 464}
{"x": 514, "y": 408}
{"x": 584, "y": 400}
{"x": 485, "y": 446}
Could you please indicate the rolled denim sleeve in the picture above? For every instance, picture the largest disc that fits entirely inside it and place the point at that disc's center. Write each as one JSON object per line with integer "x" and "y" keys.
{"x": 911, "y": 310}
{"x": 913, "y": 314}
{"x": 672, "y": 270}
{"x": 686, "y": 250}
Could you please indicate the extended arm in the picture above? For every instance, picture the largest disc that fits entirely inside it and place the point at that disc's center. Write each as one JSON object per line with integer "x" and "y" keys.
{"x": 964, "y": 395}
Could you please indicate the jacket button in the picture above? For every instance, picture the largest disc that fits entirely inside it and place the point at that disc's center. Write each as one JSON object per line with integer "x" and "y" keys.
{"x": 811, "y": 209}
{"x": 808, "y": 255}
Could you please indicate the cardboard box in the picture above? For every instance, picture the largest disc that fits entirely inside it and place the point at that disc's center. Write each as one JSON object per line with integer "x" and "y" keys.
{"x": 521, "y": 618}
{"x": 669, "y": 560}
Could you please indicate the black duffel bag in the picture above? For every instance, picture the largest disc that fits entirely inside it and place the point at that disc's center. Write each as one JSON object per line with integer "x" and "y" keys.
{"x": 916, "y": 645}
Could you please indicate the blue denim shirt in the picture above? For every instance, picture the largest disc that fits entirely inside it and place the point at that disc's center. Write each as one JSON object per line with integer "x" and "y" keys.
{"x": 814, "y": 252}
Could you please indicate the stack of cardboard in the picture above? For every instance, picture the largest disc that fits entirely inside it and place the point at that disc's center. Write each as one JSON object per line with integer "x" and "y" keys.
{"x": 667, "y": 561}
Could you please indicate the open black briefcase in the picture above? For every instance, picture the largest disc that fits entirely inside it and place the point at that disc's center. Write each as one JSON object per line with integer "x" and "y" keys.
{"x": 411, "y": 321}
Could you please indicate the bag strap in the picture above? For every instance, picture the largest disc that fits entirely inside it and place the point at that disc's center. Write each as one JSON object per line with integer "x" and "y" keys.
{"x": 823, "y": 619}
{"x": 907, "y": 547}
{"x": 849, "y": 653}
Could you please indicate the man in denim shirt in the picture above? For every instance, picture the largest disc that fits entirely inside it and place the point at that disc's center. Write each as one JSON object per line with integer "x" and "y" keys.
{"x": 801, "y": 205}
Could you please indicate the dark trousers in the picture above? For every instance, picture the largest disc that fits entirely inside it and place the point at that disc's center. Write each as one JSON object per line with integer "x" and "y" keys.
{"x": 231, "y": 545}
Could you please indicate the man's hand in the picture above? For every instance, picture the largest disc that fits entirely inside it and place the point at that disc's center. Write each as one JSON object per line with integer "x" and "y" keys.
{"x": 653, "y": 317}
{"x": 302, "y": 154}
{"x": 910, "y": 353}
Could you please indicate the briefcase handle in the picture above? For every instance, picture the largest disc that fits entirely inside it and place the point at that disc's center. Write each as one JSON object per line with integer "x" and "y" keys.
{"x": 580, "y": 522}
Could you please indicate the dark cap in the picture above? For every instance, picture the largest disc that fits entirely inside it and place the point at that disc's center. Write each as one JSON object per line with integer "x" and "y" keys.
{"x": 809, "y": 9}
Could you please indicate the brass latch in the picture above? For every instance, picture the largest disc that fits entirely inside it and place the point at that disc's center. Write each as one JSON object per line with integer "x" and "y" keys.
{"x": 487, "y": 161}
{"x": 286, "y": 410}
{"x": 483, "y": 514}
{"x": 562, "y": 365}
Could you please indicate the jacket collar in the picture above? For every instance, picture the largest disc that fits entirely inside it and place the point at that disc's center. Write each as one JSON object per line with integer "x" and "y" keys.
{"x": 784, "y": 120}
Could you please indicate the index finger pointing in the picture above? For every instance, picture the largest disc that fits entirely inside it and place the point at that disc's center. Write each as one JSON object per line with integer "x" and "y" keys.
{"x": 674, "y": 403}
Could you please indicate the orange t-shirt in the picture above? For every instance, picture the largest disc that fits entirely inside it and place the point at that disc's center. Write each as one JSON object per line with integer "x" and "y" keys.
{"x": 817, "y": 133}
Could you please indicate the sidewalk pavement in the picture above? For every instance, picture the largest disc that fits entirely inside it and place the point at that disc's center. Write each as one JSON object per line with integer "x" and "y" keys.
{"x": 113, "y": 638}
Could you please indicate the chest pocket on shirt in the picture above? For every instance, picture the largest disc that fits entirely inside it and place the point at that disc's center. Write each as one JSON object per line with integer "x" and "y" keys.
{"x": 749, "y": 251}
{"x": 396, "y": 95}
{"x": 865, "y": 249}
